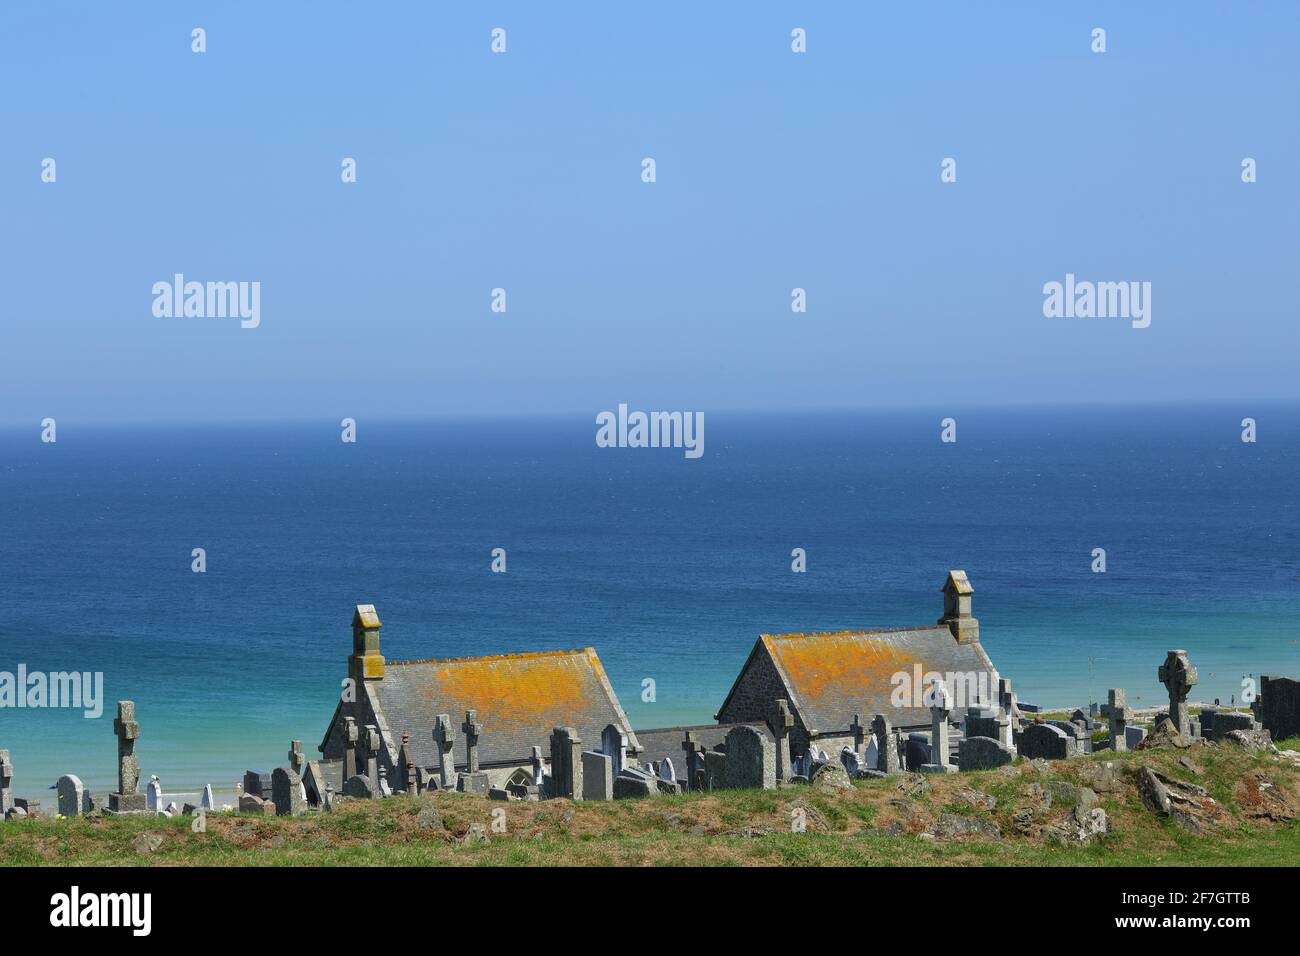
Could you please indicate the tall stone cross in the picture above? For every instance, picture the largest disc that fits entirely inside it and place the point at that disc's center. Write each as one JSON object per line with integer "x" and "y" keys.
{"x": 693, "y": 749}
{"x": 350, "y": 736}
{"x": 472, "y": 729}
{"x": 939, "y": 711}
{"x": 885, "y": 744}
{"x": 781, "y": 722}
{"x": 296, "y": 759}
{"x": 127, "y": 729}
{"x": 1179, "y": 676}
{"x": 860, "y": 733}
{"x": 445, "y": 739}
{"x": 372, "y": 755}
{"x": 1007, "y": 701}
{"x": 1118, "y": 713}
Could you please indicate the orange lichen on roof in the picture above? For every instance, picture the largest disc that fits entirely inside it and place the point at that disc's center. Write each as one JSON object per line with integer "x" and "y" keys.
{"x": 840, "y": 664}
{"x": 510, "y": 691}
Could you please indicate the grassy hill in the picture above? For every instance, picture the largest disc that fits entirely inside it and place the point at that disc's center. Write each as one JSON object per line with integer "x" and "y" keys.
{"x": 1028, "y": 813}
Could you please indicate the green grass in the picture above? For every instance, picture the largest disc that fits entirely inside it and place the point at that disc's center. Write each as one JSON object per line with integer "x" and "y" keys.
{"x": 727, "y": 828}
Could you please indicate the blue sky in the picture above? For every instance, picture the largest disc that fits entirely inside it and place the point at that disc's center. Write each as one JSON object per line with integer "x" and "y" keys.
{"x": 522, "y": 171}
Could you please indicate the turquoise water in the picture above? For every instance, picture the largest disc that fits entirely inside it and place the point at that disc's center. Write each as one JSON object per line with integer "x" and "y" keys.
{"x": 669, "y": 567}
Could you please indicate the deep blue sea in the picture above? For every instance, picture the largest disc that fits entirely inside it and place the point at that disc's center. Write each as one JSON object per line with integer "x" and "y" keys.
{"x": 669, "y": 567}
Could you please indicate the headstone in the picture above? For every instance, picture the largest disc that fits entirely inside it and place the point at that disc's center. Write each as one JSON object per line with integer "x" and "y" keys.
{"x": 444, "y": 739}
{"x": 597, "y": 776}
{"x": 351, "y": 736}
{"x": 861, "y": 739}
{"x": 566, "y": 763}
{"x": 128, "y": 798}
{"x": 359, "y": 787}
{"x": 1179, "y": 676}
{"x": 939, "y": 741}
{"x": 693, "y": 759}
{"x": 286, "y": 791}
{"x": 372, "y": 741}
{"x": 715, "y": 770}
{"x": 1118, "y": 714}
{"x": 1278, "y": 706}
{"x": 634, "y": 782}
{"x": 296, "y": 757}
{"x": 1225, "y": 721}
{"x": 472, "y": 729}
{"x": 982, "y": 753}
{"x": 257, "y": 784}
{"x": 780, "y": 721}
{"x": 251, "y": 804}
{"x": 1043, "y": 741}
{"x": 1076, "y": 732}
{"x": 539, "y": 767}
{"x": 849, "y": 760}
{"x": 6, "y": 783}
{"x": 154, "y": 795}
{"x": 1134, "y": 736}
{"x": 613, "y": 743}
{"x": 72, "y": 795}
{"x": 871, "y": 758}
{"x": 667, "y": 772}
{"x": 751, "y": 758}
{"x": 1007, "y": 701}
{"x": 205, "y": 801}
{"x": 916, "y": 752}
{"x": 886, "y": 749}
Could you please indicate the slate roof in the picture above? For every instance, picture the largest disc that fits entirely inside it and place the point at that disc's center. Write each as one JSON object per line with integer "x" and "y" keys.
{"x": 831, "y": 677}
{"x": 518, "y": 698}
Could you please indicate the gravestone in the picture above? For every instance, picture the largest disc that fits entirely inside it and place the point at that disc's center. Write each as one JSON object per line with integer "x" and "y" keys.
{"x": 982, "y": 753}
{"x": 472, "y": 729}
{"x": 1082, "y": 739}
{"x": 359, "y": 787}
{"x": 351, "y": 736}
{"x": 1043, "y": 741}
{"x": 1134, "y": 736}
{"x": 1278, "y": 706}
{"x": 597, "y": 776}
{"x": 1009, "y": 704}
{"x": 1179, "y": 676}
{"x": 72, "y": 795}
{"x": 372, "y": 741}
{"x": 6, "y": 783}
{"x": 257, "y": 784}
{"x": 916, "y": 752}
{"x": 693, "y": 759}
{"x": 780, "y": 722}
{"x": 861, "y": 741}
{"x": 715, "y": 770}
{"x": 538, "y": 767}
{"x": 1224, "y": 721}
{"x": 287, "y": 793}
{"x": 566, "y": 763}
{"x": 667, "y": 772}
{"x": 205, "y": 800}
{"x": 444, "y": 740}
{"x": 886, "y": 748}
{"x": 1118, "y": 714}
{"x": 871, "y": 757}
{"x": 939, "y": 741}
{"x": 154, "y": 795}
{"x": 128, "y": 798}
{"x": 751, "y": 759}
{"x": 472, "y": 780}
{"x": 613, "y": 743}
{"x": 296, "y": 757}
{"x": 634, "y": 782}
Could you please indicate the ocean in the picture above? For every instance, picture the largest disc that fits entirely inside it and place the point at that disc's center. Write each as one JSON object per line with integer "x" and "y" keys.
{"x": 670, "y": 567}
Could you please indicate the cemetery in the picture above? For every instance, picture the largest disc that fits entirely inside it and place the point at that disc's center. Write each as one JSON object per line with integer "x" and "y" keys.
{"x": 530, "y": 758}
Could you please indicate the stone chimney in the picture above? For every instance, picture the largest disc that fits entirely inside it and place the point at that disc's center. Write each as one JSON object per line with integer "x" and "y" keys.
{"x": 366, "y": 663}
{"x": 956, "y": 608}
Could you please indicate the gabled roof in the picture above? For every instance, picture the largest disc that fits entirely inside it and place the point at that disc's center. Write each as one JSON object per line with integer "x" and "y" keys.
{"x": 518, "y": 699}
{"x": 831, "y": 677}
{"x": 957, "y": 581}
